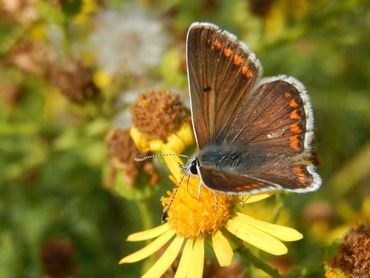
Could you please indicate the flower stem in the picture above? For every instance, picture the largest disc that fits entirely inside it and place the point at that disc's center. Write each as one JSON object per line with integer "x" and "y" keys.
{"x": 256, "y": 262}
{"x": 145, "y": 214}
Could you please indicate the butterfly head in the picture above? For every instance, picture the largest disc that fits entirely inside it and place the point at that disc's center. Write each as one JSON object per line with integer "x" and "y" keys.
{"x": 191, "y": 167}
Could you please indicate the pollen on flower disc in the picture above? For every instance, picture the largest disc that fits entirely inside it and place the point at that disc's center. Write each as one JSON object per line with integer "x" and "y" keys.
{"x": 195, "y": 218}
{"x": 157, "y": 113}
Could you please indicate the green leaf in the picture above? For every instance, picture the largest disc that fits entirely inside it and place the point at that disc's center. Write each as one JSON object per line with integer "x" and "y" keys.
{"x": 71, "y": 7}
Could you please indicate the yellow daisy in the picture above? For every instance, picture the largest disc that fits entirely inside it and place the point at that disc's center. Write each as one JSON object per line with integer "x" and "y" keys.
{"x": 192, "y": 220}
{"x": 175, "y": 142}
{"x": 160, "y": 122}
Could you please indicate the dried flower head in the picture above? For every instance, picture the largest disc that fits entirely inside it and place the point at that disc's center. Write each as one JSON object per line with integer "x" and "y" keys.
{"x": 58, "y": 258}
{"x": 260, "y": 8}
{"x": 74, "y": 80}
{"x": 22, "y": 11}
{"x": 318, "y": 211}
{"x": 212, "y": 269}
{"x": 354, "y": 255}
{"x": 10, "y": 93}
{"x": 157, "y": 113}
{"x": 33, "y": 57}
{"x": 123, "y": 151}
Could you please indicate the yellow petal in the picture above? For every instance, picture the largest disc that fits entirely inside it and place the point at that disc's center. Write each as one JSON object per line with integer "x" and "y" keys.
{"x": 184, "y": 264}
{"x": 172, "y": 162}
{"x": 102, "y": 78}
{"x": 175, "y": 143}
{"x": 197, "y": 256}
{"x": 148, "y": 250}
{"x": 173, "y": 179}
{"x": 222, "y": 248}
{"x": 256, "y": 197}
{"x": 186, "y": 134}
{"x": 256, "y": 237}
{"x": 155, "y": 145}
{"x": 165, "y": 260}
{"x": 278, "y": 231}
{"x": 149, "y": 234}
{"x": 139, "y": 139}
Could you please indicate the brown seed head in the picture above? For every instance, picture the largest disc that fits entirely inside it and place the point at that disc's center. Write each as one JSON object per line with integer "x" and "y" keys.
{"x": 354, "y": 253}
{"x": 58, "y": 258}
{"x": 123, "y": 151}
{"x": 212, "y": 269}
{"x": 260, "y": 8}
{"x": 74, "y": 80}
{"x": 33, "y": 57}
{"x": 158, "y": 113}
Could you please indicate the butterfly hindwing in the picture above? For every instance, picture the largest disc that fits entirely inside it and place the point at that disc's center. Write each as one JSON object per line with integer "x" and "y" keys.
{"x": 269, "y": 139}
{"x": 232, "y": 183}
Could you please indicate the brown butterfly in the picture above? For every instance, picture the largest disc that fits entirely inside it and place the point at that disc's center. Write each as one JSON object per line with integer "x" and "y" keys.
{"x": 253, "y": 135}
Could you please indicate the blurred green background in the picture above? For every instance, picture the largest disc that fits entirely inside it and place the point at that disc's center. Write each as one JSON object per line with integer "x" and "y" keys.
{"x": 69, "y": 70}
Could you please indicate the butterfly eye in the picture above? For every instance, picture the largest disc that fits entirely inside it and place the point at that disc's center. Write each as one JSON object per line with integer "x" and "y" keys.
{"x": 193, "y": 168}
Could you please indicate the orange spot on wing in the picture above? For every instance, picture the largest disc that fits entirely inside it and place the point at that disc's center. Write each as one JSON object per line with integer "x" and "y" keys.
{"x": 227, "y": 52}
{"x": 294, "y": 115}
{"x": 217, "y": 44}
{"x": 294, "y": 142}
{"x": 287, "y": 95}
{"x": 293, "y": 104}
{"x": 238, "y": 60}
{"x": 298, "y": 171}
{"x": 295, "y": 128}
{"x": 248, "y": 186}
{"x": 247, "y": 72}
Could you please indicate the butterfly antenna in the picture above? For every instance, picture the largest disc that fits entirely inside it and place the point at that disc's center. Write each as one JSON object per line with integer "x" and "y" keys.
{"x": 165, "y": 213}
{"x": 142, "y": 158}
{"x": 199, "y": 190}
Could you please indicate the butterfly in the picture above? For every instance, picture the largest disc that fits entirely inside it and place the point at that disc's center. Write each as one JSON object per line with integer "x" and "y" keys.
{"x": 253, "y": 135}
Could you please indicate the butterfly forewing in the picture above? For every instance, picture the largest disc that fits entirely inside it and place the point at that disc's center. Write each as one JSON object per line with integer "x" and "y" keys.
{"x": 221, "y": 72}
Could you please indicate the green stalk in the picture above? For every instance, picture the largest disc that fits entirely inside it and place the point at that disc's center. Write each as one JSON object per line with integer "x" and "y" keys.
{"x": 145, "y": 214}
{"x": 256, "y": 262}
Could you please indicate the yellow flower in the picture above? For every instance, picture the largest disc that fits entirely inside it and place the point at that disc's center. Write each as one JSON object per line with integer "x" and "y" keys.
{"x": 89, "y": 7}
{"x": 333, "y": 273}
{"x": 160, "y": 120}
{"x": 102, "y": 79}
{"x": 175, "y": 142}
{"x": 191, "y": 220}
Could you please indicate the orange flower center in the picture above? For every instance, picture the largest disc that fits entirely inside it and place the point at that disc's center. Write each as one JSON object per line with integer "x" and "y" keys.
{"x": 193, "y": 217}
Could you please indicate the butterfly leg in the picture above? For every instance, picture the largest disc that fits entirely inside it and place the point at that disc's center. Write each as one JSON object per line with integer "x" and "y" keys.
{"x": 242, "y": 201}
{"x": 165, "y": 213}
{"x": 182, "y": 166}
{"x": 199, "y": 190}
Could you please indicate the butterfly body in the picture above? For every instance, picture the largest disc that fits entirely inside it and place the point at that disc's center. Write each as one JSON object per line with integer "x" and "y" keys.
{"x": 253, "y": 135}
